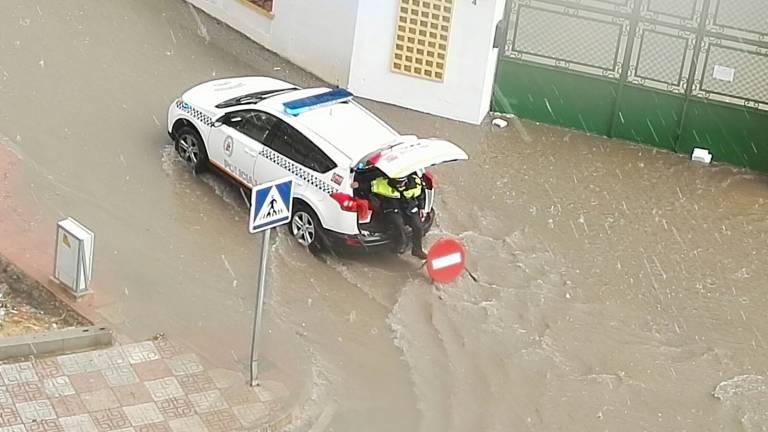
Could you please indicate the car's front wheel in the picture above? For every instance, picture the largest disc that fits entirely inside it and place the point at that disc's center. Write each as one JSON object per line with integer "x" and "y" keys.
{"x": 191, "y": 149}
{"x": 305, "y": 228}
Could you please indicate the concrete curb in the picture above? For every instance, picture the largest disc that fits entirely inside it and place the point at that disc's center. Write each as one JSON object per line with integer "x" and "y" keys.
{"x": 55, "y": 342}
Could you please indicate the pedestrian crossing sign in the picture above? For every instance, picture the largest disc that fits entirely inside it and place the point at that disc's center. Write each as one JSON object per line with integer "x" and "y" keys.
{"x": 271, "y": 204}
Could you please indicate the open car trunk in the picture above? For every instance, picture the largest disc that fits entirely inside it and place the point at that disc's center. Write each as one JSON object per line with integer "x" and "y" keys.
{"x": 410, "y": 154}
{"x": 407, "y": 156}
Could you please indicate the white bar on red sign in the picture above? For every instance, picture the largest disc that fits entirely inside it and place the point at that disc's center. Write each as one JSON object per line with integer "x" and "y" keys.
{"x": 448, "y": 260}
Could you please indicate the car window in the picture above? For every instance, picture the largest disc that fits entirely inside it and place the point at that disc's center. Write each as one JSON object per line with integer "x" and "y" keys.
{"x": 291, "y": 143}
{"x": 254, "y": 124}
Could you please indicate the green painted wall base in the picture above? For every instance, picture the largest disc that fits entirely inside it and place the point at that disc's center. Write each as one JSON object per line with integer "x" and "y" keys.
{"x": 734, "y": 134}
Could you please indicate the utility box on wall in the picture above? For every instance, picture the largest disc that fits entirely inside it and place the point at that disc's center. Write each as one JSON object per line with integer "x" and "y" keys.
{"x": 74, "y": 256}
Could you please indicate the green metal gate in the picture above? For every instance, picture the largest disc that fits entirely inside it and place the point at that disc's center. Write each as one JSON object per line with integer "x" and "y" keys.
{"x": 675, "y": 74}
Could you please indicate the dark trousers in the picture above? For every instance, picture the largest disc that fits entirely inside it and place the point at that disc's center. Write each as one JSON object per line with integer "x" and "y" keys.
{"x": 399, "y": 219}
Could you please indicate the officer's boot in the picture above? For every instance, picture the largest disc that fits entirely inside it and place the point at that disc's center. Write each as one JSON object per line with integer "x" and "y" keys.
{"x": 417, "y": 248}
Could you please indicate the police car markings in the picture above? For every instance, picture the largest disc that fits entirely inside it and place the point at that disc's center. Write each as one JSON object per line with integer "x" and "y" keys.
{"x": 295, "y": 170}
{"x": 229, "y": 146}
{"x": 229, "y": 172}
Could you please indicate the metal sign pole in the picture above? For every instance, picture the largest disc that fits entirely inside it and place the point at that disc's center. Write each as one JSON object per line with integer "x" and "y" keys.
{"x": 259, "y": 305}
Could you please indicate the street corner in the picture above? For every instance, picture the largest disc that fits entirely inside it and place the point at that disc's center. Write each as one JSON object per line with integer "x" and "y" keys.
{"x": 151, "y": 385}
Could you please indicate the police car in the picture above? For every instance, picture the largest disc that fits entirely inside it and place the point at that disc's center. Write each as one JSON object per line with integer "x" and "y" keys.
{"x": 257, "y": 129}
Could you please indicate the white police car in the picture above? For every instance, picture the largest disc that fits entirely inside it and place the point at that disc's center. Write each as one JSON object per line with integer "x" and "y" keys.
{"x": 257, "y": 129}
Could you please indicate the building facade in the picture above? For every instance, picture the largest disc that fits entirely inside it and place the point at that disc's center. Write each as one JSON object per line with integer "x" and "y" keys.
{"x": 674, "y": 74}
{"x": 435, "y": 56}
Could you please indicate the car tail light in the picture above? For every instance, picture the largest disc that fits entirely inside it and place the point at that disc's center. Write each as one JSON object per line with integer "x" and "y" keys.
{"x": 429, "y": 180}
{"x": 346, "y": 202}
{"x": 353, "y": 205}
{"x": 364, "y": 212}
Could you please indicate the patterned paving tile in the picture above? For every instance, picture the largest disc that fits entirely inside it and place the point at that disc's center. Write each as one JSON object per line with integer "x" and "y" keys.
{"x": 278, "y": 389}
{"x": 225, "y": 378}
{"x": 27, "y": 391}
{"x": 35, "y": 411}
{"x": 208, "y": 401}
{"x": 17, "y": 428}
{"x": 140, "y": 352}
{"x": 80, "y": 423}
{"x": 241, "y": 396}
{"x": 174, "y": 408}
{"x": 88, "y": 381}
{"x": 168, "y": 349}
{"x": 109, "y": 358}
{"x": 154, "y": 427}
{"x": 264, "y": 394}
{"x": 184, "y": 364}
{"x": 57, "y": 387}
{"x": 132, "y": 394}
{"x": 251, "y": 415}
{"x": 152, "y": 370}
{"x": 130, "y": 429}
{"x": 221, "y": 421}
{"x": 48, "y": 368}
{"x": 5, "y": 396}
{"x": 18, "y": 373}
{"x": 9, "y": 416}
{"x": 45, "y": 426}
{"x": 143, "y": 414}
{"x": 188, "y": 424}
{"x": 164, "y": 388}
{"x": 99, "y": 400}
{"x": 78, "y": 363}
{"x": 120, "y": 375}
{"x": 196, "y": 383}
{"x": 111, "y": 419}
{"x": 68, "y": 406}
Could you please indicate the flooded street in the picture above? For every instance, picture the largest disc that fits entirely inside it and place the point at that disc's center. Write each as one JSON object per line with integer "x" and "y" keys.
{"x": 619, "y": 287}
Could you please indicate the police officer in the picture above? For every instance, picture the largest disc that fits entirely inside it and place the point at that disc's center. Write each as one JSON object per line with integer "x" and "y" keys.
{"x": 402, "y": 200}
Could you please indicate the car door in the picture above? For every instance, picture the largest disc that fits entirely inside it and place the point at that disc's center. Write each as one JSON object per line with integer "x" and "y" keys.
{"x": 288, "y": 152}
{"x": 291, "y": 153}
{"x": 237, "y": 142}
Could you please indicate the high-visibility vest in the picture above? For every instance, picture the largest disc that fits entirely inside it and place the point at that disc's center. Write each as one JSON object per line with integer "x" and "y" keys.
{"x": 380, "y": 186}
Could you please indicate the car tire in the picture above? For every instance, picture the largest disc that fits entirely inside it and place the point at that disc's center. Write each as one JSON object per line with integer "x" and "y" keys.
{"x": 191, "y": 148}
{"x": 305, "y": 228}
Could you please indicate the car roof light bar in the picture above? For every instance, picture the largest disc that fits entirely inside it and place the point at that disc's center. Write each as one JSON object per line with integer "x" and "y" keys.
{"x": 298, "y": 106}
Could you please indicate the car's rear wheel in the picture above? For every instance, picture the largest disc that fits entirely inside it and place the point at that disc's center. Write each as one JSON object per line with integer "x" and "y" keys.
{"x": 305, "y": 228}
{"x": 191, "y": 149}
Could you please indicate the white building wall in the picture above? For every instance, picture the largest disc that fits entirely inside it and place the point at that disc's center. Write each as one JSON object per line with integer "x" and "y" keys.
{"x": 464, "y": 94}
{"x": 316, "y": 35}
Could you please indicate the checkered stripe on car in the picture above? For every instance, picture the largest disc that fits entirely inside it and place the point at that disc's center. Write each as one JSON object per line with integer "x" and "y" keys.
{"x": 194, "y": 112}
{"x": 296, "y": 170}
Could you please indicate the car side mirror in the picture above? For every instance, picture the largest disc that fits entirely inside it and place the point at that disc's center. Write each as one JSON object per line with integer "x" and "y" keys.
{"x": 219, "y": 121}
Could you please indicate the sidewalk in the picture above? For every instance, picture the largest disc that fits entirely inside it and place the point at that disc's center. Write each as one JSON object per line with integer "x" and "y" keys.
{"x": 144, "y": 387}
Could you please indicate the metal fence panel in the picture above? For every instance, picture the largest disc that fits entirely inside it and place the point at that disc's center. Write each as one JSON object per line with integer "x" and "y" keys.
{"x": 731, "y": 73}
{"x": 749, "y": 16}
{"x": 575, "y": 39}
{"x": 661, "y": 57}
{"x": 682, "y": 9}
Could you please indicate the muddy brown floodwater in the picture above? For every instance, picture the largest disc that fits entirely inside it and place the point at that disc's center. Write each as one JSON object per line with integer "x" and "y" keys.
{"x": 620, "y": 288}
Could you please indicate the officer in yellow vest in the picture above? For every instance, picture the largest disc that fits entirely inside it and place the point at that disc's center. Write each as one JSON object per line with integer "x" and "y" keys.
{"x": 402, "y": 200}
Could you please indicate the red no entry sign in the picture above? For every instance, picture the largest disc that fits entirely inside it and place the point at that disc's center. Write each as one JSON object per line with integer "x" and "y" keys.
{"x": 445, "y": 260}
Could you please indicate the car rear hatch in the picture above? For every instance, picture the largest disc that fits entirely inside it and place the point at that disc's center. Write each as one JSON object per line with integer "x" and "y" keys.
{"x": 411, "y": 154}
{"x": 408, "y": 155}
